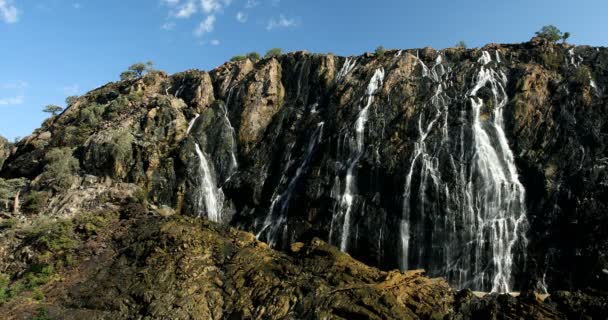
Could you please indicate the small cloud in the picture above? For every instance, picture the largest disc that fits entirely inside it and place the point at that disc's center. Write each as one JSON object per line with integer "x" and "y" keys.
{"x": 14, "y": 85}
{"x": 281, "y": 22}
{"x": 186, "y": 10}
{"x": 12, "y": 93}
{"x": 77, "y": 5}
{"x": 210, "y": 6}
{"x": 251, "y": 4}
{"x": 168, "y": 26}
{"x": 215, "y": 42}
{"x": 170, "y": 3}
{"x": 8, "y": 11}
{"x": 12, "y": 100}
{"x": 71, "y": 90}
{"x": 205, "y": 26}
{"x": 241, "y": 17}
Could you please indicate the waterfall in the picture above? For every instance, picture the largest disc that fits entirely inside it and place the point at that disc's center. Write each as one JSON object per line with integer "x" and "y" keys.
{"x": 465, "y": 218}
{"x": 275, "y": 223}
{"x": 209, "y": 197}
{"x": 346, "y": 201}
{"x": 348, "y": 66}
{"x": 234, "y": 164}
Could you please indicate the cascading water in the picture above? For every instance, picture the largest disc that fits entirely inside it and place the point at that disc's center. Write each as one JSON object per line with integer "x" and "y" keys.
{"x": 464, "y": 219}
{"x": 234, "y": 164}
{"x": 348, "y": 66}
{"x": 275, "y": 223}
{"x": 209, "y": 198}
{"x": 357, "y": 148}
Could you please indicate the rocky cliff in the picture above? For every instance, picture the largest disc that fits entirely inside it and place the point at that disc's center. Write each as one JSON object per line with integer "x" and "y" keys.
{"x": 484, "y": 166}
{"x": 4, "y": 150}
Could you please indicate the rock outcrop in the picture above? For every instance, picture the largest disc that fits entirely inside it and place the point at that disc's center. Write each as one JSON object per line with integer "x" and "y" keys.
{"x": 484, "y": 166}
{"x": 4, "y": 150}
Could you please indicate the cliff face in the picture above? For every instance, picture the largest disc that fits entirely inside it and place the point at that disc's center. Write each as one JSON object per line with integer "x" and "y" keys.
{"x": 3, "y": 150}
{"x": 487, "y": 167}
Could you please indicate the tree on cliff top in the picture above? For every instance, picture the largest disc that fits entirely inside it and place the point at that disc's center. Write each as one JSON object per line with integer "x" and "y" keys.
{"x": 552, "y": 33}
{"x": 52, "y": 109}
{"x": 137, "y": 70}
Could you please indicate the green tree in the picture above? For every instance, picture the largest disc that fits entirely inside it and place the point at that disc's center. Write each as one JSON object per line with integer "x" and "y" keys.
{"x": 70, "y": 100}
{"x": 274, "y": 52}
{"x": 137, "y": 70}
{"x": 52, "y": 109}
{"x": 565, "y": 36}
{"x": 461, "y": 44}
{"x": 60, "y": 169}
{"x": 127, "y": 75}
{"x": 550, "y": 32}
{"x": 254, "y": 56}
{"x": 380, "y": 51}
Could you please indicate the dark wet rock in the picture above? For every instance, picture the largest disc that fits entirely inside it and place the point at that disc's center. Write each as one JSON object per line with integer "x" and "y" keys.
{"x": 262, "y": 115}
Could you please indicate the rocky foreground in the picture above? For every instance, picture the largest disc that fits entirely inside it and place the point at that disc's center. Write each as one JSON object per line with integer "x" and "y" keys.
{"x": 127, "y": 259}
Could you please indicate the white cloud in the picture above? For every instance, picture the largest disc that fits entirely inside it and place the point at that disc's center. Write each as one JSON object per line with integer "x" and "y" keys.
{"x": 8, "y": 11}
{"x": 12, "y": 100}
{"x": 241, "y": 17}
{"x": 14, "y": 85}
{"x": 168, "y": 26}
{"x": 12, "y": 93}
{"x": 77, "y": 5}
{"x": 251, "y": 4}
{"x": 186, "y": 10}
{"x": 210, "y": 6}
{"x": 205, "y": 26}
{"x": 281, "y": 22}
{"x": 215, "y": 42}
{"x": 170, "y": 2}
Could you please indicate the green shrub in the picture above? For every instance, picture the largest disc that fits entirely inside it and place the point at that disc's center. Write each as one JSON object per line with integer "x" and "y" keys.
{"x": 582, "y": 76}
{"x": 35, "y": 201}
{"x": 253, "y": 56}
{"x": 273, "y": 53}
{"x": 238, "y": 58}
{"x": 42, "y": 314}
{"x": 117, "y": 106}
{"x": 5, "y": 282}
{"x": 53, "y": 236}
{"x": 60, "y": 169}
{"x": 380, "y": 51}
{"x": 121, "y": 145}
{"x": 461, "y": 44}
{"x": 71, "y": 100}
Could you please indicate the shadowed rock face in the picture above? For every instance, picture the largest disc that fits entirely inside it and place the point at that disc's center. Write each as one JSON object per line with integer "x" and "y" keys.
{"x": 487, "y": 167}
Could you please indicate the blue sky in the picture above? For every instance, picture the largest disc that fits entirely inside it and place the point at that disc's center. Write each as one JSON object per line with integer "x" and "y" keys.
{"x": 50, "y": 49}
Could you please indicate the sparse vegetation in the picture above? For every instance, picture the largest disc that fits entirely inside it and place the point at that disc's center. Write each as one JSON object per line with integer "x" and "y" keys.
{"x": 461, "y": 44}
{"x": 9, "y": 189}
{"x": 35, "y": 201}
{"x": 274, "y": 52}
{"x": 238, "y": 58}
{"x": 70, "y": 100}
{"x": 582, "y": 76}
{"x": 380, "y": 51}
{"x": 59, "y": 171}
{"x": 53, "y": 109}
{"x": 254, "y": 56}
{"x": 121, "y": 145}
